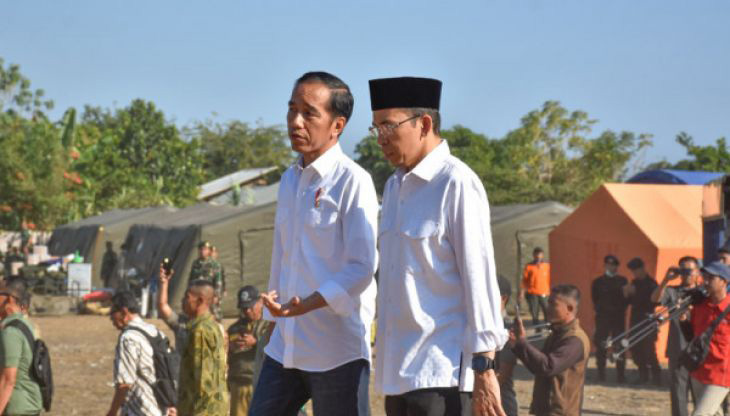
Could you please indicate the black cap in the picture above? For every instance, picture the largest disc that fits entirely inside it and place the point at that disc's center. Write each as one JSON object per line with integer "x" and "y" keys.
{"x": 247, "y": 297}
{"x": 405, "y": 92}
{"x": 635, "y": 263}
{"x": 611, "y": 259}
{"x": 204, "y": 244}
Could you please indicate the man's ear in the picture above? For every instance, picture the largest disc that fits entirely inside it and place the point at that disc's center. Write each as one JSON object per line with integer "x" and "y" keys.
{"x": 340, "y": 124}
{"x": 427, "y": 123}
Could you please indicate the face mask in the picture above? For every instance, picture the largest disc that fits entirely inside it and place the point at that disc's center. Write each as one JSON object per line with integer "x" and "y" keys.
{"x": 609, "y": 273}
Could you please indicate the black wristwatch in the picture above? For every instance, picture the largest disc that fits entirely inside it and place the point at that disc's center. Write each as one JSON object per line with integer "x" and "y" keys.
{"x": 480, "y": 364}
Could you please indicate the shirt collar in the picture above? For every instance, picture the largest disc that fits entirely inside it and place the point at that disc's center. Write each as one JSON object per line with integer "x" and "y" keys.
{"x": 136, "y": 320}
{"x": 427, "y": 168}
{"x": 200, "y": 319}
{"x": 16, "y": 315}
{"x": 326, "y": 162}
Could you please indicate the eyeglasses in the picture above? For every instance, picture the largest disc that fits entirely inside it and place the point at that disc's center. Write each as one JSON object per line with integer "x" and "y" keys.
{"x": 385, "y": 130}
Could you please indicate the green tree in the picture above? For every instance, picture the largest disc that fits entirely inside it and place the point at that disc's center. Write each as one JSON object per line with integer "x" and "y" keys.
{"x": 714, "y": 158}
{"x": 236, "y": 145}
{"x": 134, "y": 157}
{"x": 16, "y": 95}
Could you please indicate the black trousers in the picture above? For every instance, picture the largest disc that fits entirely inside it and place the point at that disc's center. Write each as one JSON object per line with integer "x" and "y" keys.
{"x": 429, "y": 402}
{"x": 645, "y": 357}
{"x": 608, "y": 327}
{"x": 536, "y": 303}
{"x": 679, "y": 388}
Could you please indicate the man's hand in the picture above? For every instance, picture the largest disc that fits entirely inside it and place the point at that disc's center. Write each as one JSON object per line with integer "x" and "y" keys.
{"x": 164, "y": 276}
{"x": 294, "y": 307}
{"x": 248, "y": 340}
{"x": 629, "y": 290}
{"x": 517, "y": 333}
{"x": 672, "y": 274}
{"x": 486, "y": 398}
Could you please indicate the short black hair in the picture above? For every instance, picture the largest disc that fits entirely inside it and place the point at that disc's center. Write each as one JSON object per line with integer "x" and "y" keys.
{"x": 432, "y": 112}
{"x": 125, "y": 299}
{"x": 505, "y": 287}
{"x": 635, "y": 263}
{"x": 689, "y": 258}
{"x": 611, "y": 259}
{"x": 538, "y": 250}
{"x": 16, "y": 286}
{"x": 201, "y": 283}
{"x": 341, "y": 99}
{"x": 568, "y": 291}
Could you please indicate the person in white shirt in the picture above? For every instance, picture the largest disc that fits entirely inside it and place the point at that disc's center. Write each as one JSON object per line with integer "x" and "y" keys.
{"x": 321, "y": 288}
{"x": 134, "y": 369}
{"x": 439, "y": 303}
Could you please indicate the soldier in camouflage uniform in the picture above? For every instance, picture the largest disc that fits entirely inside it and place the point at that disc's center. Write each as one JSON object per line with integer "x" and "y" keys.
{"x": 203, "y": 389}
{"x": 207, "y": 268}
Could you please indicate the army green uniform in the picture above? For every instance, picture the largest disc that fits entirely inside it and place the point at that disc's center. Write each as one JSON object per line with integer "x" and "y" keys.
{"x": 209, "y": 269}
{"x": 244, "y": 365}
{"x": 203, "y": 389}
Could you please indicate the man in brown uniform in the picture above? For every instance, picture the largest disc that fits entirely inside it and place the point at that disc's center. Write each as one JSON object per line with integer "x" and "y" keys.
{"x": 559, "y": 368}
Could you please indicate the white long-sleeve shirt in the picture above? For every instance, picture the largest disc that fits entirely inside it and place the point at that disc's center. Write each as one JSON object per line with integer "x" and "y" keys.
{"x": 325, "y": 241}
{"x": 439, "y": 301}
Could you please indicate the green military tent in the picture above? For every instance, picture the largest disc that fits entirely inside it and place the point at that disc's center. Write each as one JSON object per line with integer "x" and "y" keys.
{"x": 519, "y": 228}
{"x": 89, "y": 236}
{"x": 243, "y": 236}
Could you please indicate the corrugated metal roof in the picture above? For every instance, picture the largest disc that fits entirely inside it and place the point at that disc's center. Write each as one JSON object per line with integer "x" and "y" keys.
{"x": 250, "y": 195}
{"x": 221, "y": 185}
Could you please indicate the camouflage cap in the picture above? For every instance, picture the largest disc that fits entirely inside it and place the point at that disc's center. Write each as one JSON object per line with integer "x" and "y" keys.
{"x": 204, "y": 244}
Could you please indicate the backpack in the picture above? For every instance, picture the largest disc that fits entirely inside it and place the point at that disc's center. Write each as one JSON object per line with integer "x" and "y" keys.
{"x": 167, "y": 368}
{"x": 40, "y": 367}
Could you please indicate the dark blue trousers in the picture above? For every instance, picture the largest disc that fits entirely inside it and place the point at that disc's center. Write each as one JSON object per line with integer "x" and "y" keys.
{"x": 342, "y": 391}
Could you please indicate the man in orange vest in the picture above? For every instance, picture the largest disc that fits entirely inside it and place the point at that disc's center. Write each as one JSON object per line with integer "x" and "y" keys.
{"x": 535, "y": 286}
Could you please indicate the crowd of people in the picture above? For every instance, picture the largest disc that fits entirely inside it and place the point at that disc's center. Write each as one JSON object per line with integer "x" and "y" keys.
{"x": 443, "y": 346}
{"x": 692, "y": 314}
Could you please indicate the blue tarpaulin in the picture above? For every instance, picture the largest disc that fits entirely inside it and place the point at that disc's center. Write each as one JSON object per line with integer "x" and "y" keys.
{"x": 675, "y": 177}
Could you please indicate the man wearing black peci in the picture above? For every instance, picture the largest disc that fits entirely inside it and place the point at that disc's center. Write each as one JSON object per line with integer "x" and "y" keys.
{"x": 610, "y": 307}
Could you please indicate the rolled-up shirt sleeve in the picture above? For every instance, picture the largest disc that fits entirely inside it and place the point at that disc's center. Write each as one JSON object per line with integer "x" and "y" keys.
{"x": 359, "y": 212}
{"x": 472, "y": 239}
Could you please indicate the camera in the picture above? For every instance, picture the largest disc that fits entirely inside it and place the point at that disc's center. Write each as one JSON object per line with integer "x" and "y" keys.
{"x": 167, "y": 265}
{"x": 681, "y": 271}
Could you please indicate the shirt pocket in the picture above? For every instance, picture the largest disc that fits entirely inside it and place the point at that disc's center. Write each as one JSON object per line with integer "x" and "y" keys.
{"x": 419, "y": 230}
{"x": 321, "y": 223}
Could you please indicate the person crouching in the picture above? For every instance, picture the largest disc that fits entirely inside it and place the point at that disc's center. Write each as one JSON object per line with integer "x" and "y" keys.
{"x": 560, "y": 367}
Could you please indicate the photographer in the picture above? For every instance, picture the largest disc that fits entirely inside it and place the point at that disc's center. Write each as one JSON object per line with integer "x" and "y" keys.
{"x": 668, "y": 296}
{"x": 711, "y": 380}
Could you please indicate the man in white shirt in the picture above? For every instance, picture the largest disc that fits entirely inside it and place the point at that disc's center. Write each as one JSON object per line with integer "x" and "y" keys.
{"x": 439, "y": 304}
{"x": 322, "y": 265}
{"x": 134, "y": 369}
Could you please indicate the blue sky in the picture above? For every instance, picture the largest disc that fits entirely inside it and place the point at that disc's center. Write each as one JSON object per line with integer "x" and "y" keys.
{"x": 647, "y": 66}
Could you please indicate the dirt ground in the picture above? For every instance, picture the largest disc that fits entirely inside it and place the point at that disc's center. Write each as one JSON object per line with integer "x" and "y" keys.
{"x": 82, "y": 349}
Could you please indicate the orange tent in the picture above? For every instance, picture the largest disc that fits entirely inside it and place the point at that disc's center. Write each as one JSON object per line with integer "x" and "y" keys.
{"x": 659, "y": 223}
